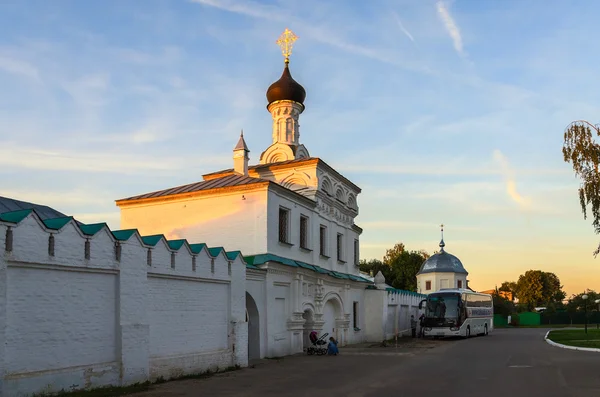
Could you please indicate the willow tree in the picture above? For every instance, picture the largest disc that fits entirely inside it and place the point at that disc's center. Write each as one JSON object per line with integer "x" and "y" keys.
{"x": 582, "y": 150}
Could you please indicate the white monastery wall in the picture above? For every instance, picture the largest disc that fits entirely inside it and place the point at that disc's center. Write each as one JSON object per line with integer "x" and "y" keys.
{"x": 218, "y": 220}
{"x": 80, "y": 317}
{"x": 388, "y": 311}
{"x": 257, "y": 321}
{"x": 401, "y": 305}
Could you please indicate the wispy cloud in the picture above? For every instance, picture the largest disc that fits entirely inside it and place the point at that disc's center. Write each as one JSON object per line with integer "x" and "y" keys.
{"x": 113, "y": 218}
{"x": 18, "y": 67}
{"x": 61, "y": 199}
{"x": 76, "y": 161}
{"x": 326, "y": 36}
{"x": 451, "y": 27}
{"x": 409, "y": 225}
{"x": 402, "y": 28}
{"x": 510, "y": 182}
{"x": 436, "y": 169}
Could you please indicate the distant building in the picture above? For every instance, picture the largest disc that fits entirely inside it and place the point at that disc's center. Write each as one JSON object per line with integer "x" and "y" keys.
{"x": 441, "y": 270}
{"x": 505, "y": 294}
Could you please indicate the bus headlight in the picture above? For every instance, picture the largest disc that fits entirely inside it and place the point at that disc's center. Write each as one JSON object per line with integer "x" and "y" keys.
{"x": 454, "y": 328}
{"x": 428, "y": 329}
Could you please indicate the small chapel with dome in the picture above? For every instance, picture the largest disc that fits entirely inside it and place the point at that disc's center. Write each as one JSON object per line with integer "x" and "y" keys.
{"x": 441, "y": 270}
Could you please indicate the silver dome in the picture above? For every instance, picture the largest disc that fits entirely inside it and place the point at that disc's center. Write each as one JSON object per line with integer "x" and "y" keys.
{"x": 442, "y": 262}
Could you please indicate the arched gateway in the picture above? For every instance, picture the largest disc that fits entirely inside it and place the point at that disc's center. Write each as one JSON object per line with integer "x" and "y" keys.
{"x": 253, "y": 328}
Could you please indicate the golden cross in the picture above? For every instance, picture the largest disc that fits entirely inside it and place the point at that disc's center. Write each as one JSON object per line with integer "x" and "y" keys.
{"x": 286, "y": 42}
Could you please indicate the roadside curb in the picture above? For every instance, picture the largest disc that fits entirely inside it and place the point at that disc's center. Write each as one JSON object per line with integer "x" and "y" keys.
{"x": 585, "y": 349}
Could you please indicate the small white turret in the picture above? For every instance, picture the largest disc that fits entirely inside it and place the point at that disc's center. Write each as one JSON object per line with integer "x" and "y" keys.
{"x": 380, "y": 280}
{"x": 240, "y": 156}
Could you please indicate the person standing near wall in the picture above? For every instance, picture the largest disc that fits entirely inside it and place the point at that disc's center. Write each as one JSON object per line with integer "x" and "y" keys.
{"x": 413, "y": 326}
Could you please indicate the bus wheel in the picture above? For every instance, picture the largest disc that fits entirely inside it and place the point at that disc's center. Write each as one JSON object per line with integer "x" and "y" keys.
{"x": 485, "y": 330}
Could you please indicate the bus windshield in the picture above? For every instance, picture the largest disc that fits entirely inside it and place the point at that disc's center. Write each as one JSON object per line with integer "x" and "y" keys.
{"x": 443, "y": 306}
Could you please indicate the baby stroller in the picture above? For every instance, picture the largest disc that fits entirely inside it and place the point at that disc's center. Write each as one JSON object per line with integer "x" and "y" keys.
{"x": 319, "y": 345}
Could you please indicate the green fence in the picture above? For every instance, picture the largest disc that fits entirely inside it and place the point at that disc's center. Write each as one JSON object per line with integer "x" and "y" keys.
{"x": 570, "y": 318}
{"x": 526, "y": 318}
{"x": 529, "y": 318}
{"x": 500, "y": 320}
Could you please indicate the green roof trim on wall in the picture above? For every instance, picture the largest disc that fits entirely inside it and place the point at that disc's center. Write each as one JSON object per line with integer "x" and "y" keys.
{"x": 196, "y": 248}
{"x": 404, "y": 292}
{"x": 15, "y": 216}
{"x": 176, "y": 244}
{"x": 123, "y": 235}
{"x": 257, "y": 260}
{"x": 215, "y": 251}
{"x": 249, "y": 266}
{"x": 152, "y": 240}
{"x": 57, "y": 223}
{"x": 92, "y": 229}
{"x": 231, "y": 255}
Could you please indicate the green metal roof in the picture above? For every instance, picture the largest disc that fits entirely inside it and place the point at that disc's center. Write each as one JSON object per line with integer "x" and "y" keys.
{"x": 176, "y": 244}
{"x": 57, "y": 223}
{"x": 196, "y": 248}
{"x": 152, "y": 240}
{"x": 15, "y": 216}
{"x": 123, "y": 235}
{"x": 404, "y": 292}
{"x": 252, "y": 261}
{"x": 215, "y": 251}
{"x": 231, "y": 255}
{"x": 92, "y": 229}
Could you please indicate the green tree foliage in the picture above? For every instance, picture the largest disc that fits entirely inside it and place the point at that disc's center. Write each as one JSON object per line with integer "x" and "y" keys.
{"x": 577, "y": 303}
{"x": 399, "y": 267}
{"x": 583, "y": 152}
{"x": 502, "y": 305}
{"x": 509, "y": 286}
{"x": 538, "y": 288}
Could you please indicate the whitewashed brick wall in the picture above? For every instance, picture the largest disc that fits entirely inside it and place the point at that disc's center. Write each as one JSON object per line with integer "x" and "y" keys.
{"x": 67, "y": 322}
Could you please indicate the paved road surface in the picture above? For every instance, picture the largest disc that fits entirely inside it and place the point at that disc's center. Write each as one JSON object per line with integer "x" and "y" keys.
{"x": 513, "y": 363}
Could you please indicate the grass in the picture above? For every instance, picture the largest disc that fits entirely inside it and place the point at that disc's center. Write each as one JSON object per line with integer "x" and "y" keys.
{"x": 113, "y": 391}
{"x": 576, "y": 337}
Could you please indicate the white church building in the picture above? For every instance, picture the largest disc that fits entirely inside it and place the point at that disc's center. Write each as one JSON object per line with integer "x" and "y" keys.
{"x": 292, "y": 215}
{"x": 207, "y": 276}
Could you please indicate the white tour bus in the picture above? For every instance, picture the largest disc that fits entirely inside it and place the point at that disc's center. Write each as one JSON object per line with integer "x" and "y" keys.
{"x": 457, "y": 312}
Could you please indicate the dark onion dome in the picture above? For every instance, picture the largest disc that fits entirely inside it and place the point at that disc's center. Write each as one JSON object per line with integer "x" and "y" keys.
{"x": 286, "y": 89}
{"x": 442, "y": 262}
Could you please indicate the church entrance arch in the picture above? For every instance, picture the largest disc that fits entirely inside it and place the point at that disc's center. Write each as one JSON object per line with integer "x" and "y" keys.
{"x": 332, "y": 311}
{"x": 308, "y": 326}
{"x": 252, "y": 318}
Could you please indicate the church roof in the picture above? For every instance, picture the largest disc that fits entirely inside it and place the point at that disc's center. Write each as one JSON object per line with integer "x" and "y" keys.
{"x": 283, "y": 164}
{"x": 241, "y": 145}
{"x": 442, "y": 262}
{"x": 223, "y": 182}
{"x": 286, "y": 89}
{"x": 43, "y": 211}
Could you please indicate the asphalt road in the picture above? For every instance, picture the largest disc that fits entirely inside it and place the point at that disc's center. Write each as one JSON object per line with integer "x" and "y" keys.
{"x": 513, "y": 363}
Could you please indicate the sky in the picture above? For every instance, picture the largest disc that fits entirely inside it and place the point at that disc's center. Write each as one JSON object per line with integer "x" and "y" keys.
{"x": 446, "y": 112}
